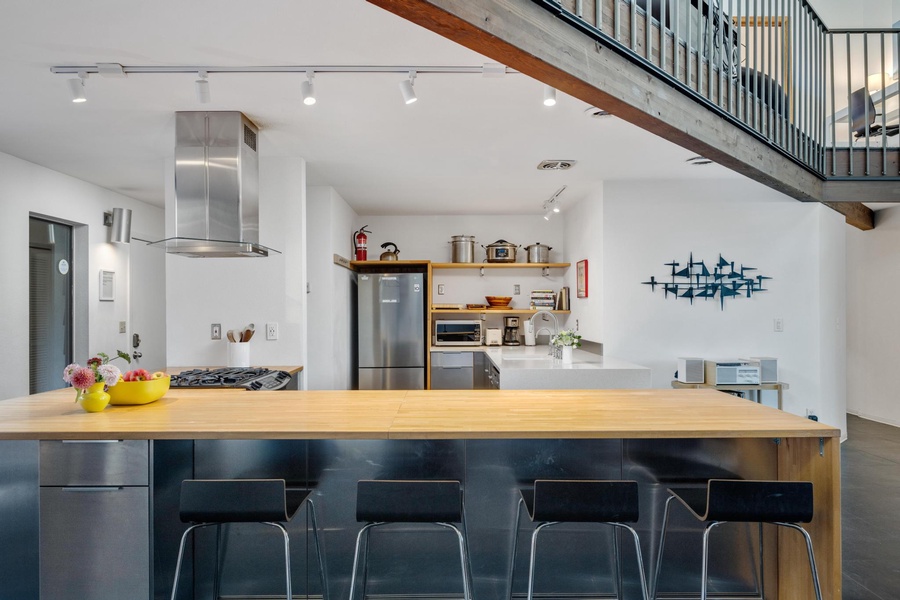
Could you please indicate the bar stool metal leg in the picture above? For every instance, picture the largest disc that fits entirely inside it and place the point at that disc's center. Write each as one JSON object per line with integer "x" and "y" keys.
{"x": 181, "y": 546}
{"x": 320, "y": 551}
{"x": 705, "y": 568}
{"x": 463, "y": 559}
{"x": 812, "y": 558}
{"x": 287, "y": 555}
{"x": 534, "y": 536}
{"x": 220, "y": 552}
{"x": 364, "y": 532}
{"x": 513, "y": 550}
{"x": 640, "y": 560}
{"x": 654, "y": 587}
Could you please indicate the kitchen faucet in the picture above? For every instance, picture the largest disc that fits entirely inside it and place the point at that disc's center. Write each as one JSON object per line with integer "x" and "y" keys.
{"x": 553, "y": 333}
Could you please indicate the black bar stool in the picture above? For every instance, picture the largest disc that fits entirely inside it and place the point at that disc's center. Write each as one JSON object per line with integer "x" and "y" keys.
{"x": 551, "y": 502}
{"x": 782, "y": 503}
{"x": 206, "y": 502}
{"x": 380, "y": 502}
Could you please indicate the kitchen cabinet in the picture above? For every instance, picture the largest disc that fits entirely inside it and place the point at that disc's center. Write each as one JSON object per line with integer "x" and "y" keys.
{"x": 453, "y": 370}
{"x": 94, "y": 519}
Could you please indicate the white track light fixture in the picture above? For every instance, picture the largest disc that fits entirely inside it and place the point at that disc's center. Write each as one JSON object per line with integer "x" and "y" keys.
{"x": 76, "y": 84}
{"x": 553, "y": 204}
{"x": 307, "y": 91}
{"x": 549, "y": 96}
{"x": 202, "y": 87}
{"x": 406, "y": 88}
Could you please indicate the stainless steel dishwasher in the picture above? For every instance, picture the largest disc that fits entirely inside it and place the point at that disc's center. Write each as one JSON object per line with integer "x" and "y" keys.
{"x": 452, "y": 371}
{"x": 94, "y": 519}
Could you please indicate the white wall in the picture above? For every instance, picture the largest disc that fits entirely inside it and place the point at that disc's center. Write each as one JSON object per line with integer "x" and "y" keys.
{"x": 26, "y": 188}
{"x": 584, "y": 240}
{"x": 238, "y": 291}
{"x": 873, "y": 322}
{"x": 648, "y": 224}
{"x": 331, "y": 357}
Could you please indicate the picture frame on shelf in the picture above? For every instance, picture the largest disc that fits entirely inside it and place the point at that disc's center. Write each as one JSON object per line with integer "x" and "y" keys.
{"x": 581, "y": 271}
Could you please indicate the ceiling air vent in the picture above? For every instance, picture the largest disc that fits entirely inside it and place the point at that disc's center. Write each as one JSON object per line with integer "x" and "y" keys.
{"x": 556, "y": 165}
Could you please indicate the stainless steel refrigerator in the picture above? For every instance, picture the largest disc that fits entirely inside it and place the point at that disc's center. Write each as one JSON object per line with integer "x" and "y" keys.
{"x": 391, "y": 331}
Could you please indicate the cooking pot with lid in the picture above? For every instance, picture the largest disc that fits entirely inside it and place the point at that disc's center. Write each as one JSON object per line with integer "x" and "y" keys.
{"x": 538, "y": 252}
{"x": 501, "y": 251}
{"x": 462, "y": 248}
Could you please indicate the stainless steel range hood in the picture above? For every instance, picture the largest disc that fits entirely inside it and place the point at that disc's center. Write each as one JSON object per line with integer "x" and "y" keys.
{"x": 216, "y": 187}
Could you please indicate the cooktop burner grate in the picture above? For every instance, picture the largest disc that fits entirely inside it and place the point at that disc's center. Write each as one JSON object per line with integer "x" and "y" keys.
{"x": 251, "y": 378}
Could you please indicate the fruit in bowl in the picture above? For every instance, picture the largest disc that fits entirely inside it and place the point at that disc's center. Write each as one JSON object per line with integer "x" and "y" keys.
{"x": 139, "y": 387}
{"x": 498, "y": 301}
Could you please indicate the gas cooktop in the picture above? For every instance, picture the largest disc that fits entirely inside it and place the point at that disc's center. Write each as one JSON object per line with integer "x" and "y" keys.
{"x": 251, "y": 378}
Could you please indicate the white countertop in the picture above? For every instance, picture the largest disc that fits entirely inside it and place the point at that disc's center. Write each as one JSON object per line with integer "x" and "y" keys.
{"x": 531, "y": 367}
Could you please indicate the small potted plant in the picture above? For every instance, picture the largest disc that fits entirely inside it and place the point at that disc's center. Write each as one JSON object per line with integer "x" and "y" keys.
{"x": 565, "y": 341}
{"x": 93, "y": 380}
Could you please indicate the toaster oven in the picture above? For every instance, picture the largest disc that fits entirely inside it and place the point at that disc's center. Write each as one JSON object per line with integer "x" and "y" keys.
{"x": 457, "y": 332}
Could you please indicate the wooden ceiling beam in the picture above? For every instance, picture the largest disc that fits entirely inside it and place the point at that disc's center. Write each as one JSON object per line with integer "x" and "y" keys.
{"x": 523, "y": 36}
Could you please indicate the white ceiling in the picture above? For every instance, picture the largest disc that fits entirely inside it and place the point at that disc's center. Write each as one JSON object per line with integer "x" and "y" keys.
{"x": 470, "y": 145}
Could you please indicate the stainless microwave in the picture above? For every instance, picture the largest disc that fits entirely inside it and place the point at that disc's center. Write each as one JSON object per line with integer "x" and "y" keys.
{"x": 457, "y": 333}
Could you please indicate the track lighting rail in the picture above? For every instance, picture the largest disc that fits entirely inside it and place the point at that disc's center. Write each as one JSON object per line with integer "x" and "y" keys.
{"x": 487, "y": 69}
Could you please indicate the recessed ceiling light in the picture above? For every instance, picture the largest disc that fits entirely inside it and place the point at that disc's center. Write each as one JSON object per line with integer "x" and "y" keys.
{"x": 556, "y": 165}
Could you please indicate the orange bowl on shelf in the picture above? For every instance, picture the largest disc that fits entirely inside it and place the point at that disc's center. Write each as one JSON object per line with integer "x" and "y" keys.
{"x": 498, "y": 301}
{"x": 139, "y": 392}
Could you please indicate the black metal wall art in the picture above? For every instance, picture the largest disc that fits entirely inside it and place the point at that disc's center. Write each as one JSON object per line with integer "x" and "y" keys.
{"x": 695, "y": 280}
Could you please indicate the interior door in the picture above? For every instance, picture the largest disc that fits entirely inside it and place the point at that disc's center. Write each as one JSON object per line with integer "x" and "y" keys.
{"x": 147, "y": 269}
{"x": 50, "y": 303}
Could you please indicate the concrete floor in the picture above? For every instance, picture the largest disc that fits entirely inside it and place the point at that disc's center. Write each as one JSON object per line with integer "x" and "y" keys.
{"x": 870, "y": 510}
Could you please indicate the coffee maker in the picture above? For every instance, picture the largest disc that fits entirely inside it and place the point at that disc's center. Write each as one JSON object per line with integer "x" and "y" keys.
{"x": 510, "y": 331}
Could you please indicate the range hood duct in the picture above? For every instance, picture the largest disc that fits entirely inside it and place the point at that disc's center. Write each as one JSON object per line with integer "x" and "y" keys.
{"x": 216, "y": 186}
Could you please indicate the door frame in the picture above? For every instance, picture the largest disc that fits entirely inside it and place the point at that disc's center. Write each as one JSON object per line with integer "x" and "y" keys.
{"x": 80, "y": 289}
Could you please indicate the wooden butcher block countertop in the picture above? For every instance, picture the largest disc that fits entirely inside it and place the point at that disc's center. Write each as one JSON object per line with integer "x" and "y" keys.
{"x": 436, "y": 414}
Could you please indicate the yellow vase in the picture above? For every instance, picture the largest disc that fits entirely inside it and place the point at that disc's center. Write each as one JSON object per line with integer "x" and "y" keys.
{"x": 94, "y": 399}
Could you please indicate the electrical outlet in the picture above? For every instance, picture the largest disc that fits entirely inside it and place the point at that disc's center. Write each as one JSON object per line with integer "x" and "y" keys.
{"x": 215, "y": 331}
{"x": 123, "y": 326}
{"x": 271, "y": 331}
{"x": 779, "y": 325}
{"x": 440, "y": 289}
{"x": 517, "y": 290}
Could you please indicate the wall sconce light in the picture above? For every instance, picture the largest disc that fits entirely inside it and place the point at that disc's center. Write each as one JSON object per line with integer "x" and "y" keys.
{"x": 119, "y": 222}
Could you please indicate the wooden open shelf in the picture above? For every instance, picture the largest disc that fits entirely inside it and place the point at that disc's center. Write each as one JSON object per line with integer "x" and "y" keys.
{"x": 498, "y": 265}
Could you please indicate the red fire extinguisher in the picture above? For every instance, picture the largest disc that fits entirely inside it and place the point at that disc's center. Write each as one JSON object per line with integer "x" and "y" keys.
{"x": 359, "y": 242}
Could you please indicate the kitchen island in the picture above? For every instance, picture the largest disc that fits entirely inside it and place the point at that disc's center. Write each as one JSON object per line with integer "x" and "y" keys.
{"x": 493, "y": 441}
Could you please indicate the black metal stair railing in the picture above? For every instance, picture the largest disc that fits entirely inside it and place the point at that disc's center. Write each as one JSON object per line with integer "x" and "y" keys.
{"x": 771, "y": 67}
